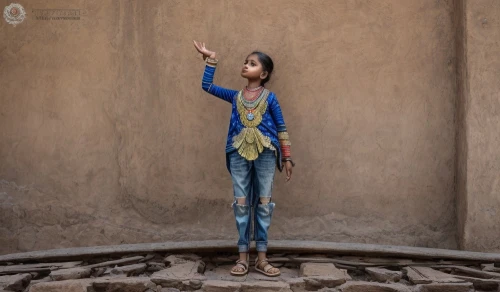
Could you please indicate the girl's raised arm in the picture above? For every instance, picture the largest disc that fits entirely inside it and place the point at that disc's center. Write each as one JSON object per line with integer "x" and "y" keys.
{"x": 208, "y": 75}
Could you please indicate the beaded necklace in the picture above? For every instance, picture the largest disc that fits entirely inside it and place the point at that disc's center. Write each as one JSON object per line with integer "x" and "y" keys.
{"x": 253, "y": 89}
{"x": 252, "y": 104}
{"x": 252, "y": 112}
{"x": 250, "y": 95}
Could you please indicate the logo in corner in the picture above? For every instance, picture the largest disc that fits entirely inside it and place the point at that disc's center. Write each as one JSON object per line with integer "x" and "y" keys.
{"x": 14, "y": 13}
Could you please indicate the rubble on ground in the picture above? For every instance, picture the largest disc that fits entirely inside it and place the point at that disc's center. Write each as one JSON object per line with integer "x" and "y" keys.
{"x": 170, "y": 272}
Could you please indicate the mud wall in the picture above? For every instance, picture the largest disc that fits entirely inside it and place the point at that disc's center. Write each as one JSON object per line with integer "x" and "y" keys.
{"x": 480, "y": 181}
{"x": 107, "y": 137}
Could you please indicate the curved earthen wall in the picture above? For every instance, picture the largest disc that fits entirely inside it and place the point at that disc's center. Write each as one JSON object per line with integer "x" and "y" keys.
{"x": 108, "y": 138}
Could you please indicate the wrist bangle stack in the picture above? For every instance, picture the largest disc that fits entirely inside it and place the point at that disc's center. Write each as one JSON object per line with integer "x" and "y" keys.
{"x": 288, "y": 159}
{"x": 211, "y": 62}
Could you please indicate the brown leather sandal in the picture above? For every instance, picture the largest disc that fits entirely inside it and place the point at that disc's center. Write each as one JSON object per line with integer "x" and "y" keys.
{"x": 242, "y": 264}
{"x": 266, "y": 268}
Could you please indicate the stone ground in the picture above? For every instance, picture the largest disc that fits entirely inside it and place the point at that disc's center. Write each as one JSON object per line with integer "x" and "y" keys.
{"x": 161, "y": 272}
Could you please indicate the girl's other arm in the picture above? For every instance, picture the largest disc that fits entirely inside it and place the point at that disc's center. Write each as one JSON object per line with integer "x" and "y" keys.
{"x": 283, "y": 137}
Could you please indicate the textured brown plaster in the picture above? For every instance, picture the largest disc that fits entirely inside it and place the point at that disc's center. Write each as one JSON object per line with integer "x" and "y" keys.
{"x": 461, "y": 123}
{"x": 107, "y": 137}
{"x": 482, "y": 114}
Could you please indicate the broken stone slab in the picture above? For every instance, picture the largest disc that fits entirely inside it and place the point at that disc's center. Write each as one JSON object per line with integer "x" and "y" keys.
{"x": 448, "y": 287}
{"x": 69, "y": 274}
{"x": 97, "y": 272}
{"x": 186, "y": 285}
{"x": 116, "y": 262}
{"x": 130, "y": 270}
{"x": 41, "y": 267}
{"x": 23, "y": 271}
{"x": 108, "y": 284}
{"x": 133, "y": 284}
{"x": 312, "y": 284}
{"x": 475, "y": 273}
{"x": 34, "y": 282}
{"x": 149, "y": 256}
{"x": 382, "y": 261}
{"x": 264, "y": 286}
{"x": 297, "y": 284}
{"x": 425, "y": 275}
{"x": 490, "y": 268}
{"x": 384, "y": 275}
{"x": 321, "y": 269}
{"x": 107, "y": 273}
{"x": 155, "y": 267}
{"x": 319, "y": 275}
{"x": 357, "y": 286}
{"x": 181, "y": 258}
{"x": 194, "y": 284}
{"x": 415, "y": 277}
{"x": 220, "y": 286}
{"x": 324, "y": 281}
{"x": 180, "y": 269}
{"x": 481, "y": 284}
{"x": 153, "y": 257}
{"x": 201, "y": 266}
{"x": 168, "y": 290}
{"x": 175, "y": 279}
{"x": 42, "y": 280}
{"x": 81, "y": 285}
{"x": 15, "y": 282}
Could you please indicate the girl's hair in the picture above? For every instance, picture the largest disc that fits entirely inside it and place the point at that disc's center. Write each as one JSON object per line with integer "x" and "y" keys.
{"x": 267, "y": 64}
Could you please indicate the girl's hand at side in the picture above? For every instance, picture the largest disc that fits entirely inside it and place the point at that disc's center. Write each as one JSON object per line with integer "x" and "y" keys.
{"x": 288, "y": 168}
{"x": 200, "y": 47}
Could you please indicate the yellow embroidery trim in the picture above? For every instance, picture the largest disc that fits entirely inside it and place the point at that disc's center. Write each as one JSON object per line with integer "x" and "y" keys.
{"x": 250, "y": 142}
{"x": 284, "y": 139}
{"x": 283, "y": 136}
{"x": 258, "y": 111}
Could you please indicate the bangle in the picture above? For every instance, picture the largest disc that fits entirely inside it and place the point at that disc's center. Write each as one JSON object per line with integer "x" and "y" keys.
{"x": 288, "y": 159}
{"x": 211, "y": 61}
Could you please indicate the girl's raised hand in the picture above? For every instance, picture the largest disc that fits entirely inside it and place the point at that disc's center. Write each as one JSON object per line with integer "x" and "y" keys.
{"x": 203, "y": 50}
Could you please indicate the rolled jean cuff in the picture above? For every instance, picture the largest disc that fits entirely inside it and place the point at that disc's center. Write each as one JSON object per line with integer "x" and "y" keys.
{"x": 261, "y": 246}
{"x": 243, "y": 248}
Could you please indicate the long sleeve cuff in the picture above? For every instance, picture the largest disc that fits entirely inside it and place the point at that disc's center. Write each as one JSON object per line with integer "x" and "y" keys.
{"x": 208, "y": 75}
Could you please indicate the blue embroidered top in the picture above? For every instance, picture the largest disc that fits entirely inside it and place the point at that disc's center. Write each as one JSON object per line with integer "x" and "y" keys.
{"x": 272, "y": 125}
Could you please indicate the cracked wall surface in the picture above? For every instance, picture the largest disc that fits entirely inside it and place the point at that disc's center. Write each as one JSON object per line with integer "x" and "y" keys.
{"x": 107, "y": 137}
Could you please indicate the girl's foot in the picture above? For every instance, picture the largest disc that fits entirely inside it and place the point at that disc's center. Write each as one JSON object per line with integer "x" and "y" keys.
{"x": 264, "y": 267}
{"x": 240, "y": 269}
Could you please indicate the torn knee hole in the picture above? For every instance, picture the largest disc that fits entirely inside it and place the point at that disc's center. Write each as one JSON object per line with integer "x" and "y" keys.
{"x": 241, "y": 201}
{"x": 265, "y": 200}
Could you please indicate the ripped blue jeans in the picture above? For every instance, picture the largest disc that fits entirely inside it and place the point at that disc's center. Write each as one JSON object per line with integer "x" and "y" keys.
{"x": 253, "y": 180}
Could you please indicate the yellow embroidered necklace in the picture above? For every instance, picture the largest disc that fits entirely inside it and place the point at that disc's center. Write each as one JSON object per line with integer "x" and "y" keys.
{"x": 250, "y": 142}
{"x": 251, "y": 112}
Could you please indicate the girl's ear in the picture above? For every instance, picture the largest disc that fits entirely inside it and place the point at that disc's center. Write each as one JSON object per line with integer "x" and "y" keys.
{"x": 263, "y": 75}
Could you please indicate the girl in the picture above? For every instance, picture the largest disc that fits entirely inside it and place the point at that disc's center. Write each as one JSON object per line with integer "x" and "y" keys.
{"x": 257, "y": 142}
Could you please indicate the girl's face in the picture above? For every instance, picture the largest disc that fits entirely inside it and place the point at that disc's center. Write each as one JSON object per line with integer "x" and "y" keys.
{"x": 252, "y": 68}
